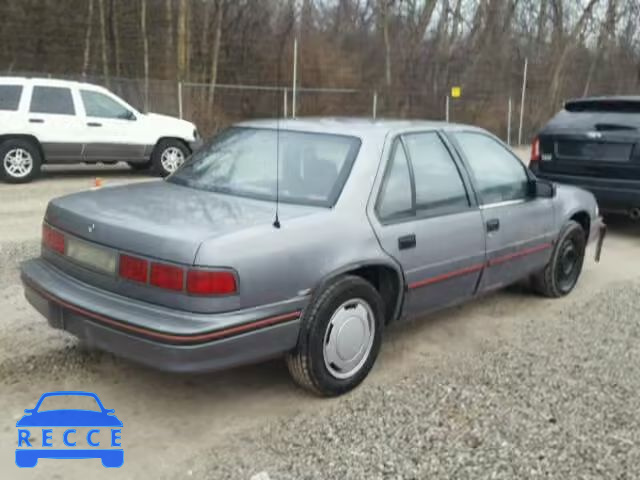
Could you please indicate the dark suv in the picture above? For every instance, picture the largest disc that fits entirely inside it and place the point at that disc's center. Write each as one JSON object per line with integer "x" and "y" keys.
{"x": 594, "y": 143}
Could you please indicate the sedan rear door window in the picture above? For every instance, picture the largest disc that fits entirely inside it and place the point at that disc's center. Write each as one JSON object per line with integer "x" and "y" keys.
{"x": 53, "y": 100}
{"x": 10, "y": 97}
{"x": 439, "y": 186}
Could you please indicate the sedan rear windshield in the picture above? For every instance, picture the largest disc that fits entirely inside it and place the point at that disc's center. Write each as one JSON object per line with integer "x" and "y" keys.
{"x": 312, "y": 167}
{"x": 604, "y": 106}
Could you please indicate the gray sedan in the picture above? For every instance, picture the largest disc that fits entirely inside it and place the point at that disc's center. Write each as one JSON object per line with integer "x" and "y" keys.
{"x": 304, "y": 239}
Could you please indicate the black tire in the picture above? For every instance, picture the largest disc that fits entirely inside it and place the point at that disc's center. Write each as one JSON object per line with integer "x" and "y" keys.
{"x": 162, "y": 146}
{"x": 139, "y": 166}
{"x": 307, "y": 363}
{"x": 27, "y": 146}
{"x": 557, "y": 279}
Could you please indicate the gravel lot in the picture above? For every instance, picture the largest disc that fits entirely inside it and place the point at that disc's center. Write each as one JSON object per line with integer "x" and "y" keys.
{"x": 509, "y": 386}
{"x": 559, "y": 399}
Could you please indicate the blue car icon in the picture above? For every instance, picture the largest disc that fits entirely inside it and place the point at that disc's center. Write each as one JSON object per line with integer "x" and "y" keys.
{"x": 27, "y": 455}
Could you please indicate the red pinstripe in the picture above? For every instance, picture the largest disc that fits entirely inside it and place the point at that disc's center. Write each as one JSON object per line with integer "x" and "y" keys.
{"x": 478, "y": 267}
{"x": 168, "y": 338}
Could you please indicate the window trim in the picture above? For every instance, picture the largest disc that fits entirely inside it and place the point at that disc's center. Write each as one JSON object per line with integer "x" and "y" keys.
{"x": 452, "y": 136}
{"x": 74, "y": 113}
{"x": 424, "y": 213}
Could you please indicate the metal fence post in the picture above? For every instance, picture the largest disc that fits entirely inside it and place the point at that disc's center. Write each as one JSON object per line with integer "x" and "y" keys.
{"x": 524, "y": 89}
{"x": 295, "y": 77}
{"x": 509, "y": 109}
{"x": 447, "y": 109}
{"x": 375, "y": 104}
{"x": 285, "y": 92}
{"x": 180, "y": 100}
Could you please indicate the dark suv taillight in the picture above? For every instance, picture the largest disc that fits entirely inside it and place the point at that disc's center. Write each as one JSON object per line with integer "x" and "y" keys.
{"x": 535, "y": 151}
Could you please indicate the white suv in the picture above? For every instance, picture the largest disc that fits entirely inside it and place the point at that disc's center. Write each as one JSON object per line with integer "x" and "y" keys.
{"x": 58, "y": 121}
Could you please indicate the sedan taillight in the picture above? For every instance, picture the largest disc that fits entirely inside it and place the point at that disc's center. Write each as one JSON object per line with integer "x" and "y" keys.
{"x": 53, "y": 239}
{"x": 133, "y": 268}
{"x": 535, "y": 151}
{"x": 167, "y": 276}
{"x": 211, "y": 282}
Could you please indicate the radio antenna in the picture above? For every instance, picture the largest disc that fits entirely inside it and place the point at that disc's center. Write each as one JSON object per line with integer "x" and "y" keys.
{"x": 276, "y": 220}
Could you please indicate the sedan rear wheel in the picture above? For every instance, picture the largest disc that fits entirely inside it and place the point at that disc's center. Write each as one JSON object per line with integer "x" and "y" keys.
{"x": 340, "y": 336}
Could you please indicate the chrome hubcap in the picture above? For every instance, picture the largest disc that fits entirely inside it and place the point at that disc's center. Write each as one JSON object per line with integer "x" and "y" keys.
{"x": 349, "y": 338}
{"x": 18, "y": 163}
{"x": 171, "y": 159}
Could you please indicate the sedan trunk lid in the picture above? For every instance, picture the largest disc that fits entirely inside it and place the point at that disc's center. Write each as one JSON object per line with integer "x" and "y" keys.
{"x": 160, "y": 219}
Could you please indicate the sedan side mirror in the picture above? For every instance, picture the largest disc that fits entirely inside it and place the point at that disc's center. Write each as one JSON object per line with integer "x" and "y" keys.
{"x": 542, "y": 189}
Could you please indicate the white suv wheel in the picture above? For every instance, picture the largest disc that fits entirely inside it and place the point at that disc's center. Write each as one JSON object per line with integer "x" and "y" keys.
{"x": 18, "y": 163}
{"x": 171, "y": 159}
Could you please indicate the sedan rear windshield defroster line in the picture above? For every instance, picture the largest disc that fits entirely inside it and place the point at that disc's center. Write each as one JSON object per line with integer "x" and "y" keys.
{"x": 312, "y": 170}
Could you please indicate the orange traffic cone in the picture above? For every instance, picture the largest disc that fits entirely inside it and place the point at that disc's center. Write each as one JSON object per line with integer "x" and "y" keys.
{"x": 97, "y": 183}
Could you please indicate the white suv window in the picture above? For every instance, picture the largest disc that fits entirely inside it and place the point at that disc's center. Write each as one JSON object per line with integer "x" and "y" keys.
{"x": 99, "y": 105}
{"x": 10, "y": 97}
{"x": 55, "y": 100}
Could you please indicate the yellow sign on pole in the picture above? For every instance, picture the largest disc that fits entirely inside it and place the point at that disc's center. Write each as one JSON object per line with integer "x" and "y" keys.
{"x": 456, "y": 92}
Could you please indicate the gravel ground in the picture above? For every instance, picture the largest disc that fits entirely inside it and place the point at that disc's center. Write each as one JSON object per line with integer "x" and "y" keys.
{"x": 560, "y": 399}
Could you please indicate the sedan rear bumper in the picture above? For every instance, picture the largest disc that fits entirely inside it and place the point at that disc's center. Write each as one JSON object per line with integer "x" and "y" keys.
{"x": 157, "y": 336}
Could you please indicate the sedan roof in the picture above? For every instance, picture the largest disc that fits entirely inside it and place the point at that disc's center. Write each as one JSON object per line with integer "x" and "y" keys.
{"x": 356, "y": 126}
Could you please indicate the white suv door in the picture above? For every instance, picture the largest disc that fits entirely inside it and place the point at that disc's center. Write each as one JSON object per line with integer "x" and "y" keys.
{"x": 52, "y": 118}
{"x": 112, "y": 128}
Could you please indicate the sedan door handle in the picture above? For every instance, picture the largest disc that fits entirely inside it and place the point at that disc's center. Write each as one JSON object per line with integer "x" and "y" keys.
{"x": 94, "y": 124}
{"x": 406, "y": 242}
{"x": 493, "y": 225}
{"x": 36, "y": 120}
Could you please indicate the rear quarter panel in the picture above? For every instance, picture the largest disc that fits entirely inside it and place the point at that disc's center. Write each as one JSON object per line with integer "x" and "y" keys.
{"x": 275, "y": 264}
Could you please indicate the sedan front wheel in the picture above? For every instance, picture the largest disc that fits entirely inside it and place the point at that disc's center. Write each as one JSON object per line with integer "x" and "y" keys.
{"x": 561, "y": 274}
{"x": 340, "y": 336}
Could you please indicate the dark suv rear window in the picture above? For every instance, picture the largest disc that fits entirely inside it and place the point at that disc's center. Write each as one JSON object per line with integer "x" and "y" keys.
{"x": 605, "y": 106}
{"x": 10, "y": 97}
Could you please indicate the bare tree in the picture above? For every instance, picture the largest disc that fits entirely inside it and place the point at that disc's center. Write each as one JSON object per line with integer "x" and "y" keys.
{"x": 213, "y": 77}
{"x": 183, "y": 40}
{"x": 554, "y": 95}
{"x": 145, "y": 49}
{"x": 114, "y": 35}
{"x": 87, "y": 39}
{"x": 169, "y": 50}
{"x": 103, "y": 44}
{"x": 383, "y": 14}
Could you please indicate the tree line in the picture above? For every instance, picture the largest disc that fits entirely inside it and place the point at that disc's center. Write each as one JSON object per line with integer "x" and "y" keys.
{"x": 410, "y": 51}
